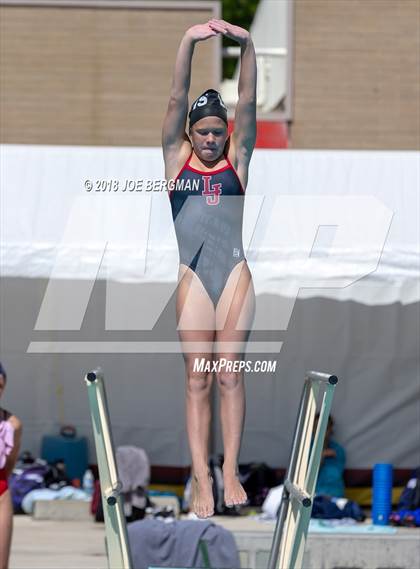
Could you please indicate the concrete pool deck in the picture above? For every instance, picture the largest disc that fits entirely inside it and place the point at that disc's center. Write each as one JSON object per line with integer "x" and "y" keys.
{"x": 51, "y": 544}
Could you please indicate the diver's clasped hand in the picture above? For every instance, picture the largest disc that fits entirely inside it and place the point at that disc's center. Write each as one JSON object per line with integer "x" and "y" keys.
{"x": 235, "y": 33}
{"x": 214, "y": 27}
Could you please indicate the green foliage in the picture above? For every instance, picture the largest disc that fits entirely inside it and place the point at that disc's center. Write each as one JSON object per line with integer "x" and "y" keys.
{"x": 240, "y": 13}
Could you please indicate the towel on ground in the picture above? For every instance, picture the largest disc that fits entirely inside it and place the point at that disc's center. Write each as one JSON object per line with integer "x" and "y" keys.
{"x": 158, "y": 543}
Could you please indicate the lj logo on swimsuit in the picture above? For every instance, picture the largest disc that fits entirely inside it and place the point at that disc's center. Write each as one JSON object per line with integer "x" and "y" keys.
{"x": 211, "y": 191}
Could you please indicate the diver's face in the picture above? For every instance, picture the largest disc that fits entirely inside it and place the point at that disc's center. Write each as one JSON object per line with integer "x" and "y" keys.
{"x": 208, "y": 137}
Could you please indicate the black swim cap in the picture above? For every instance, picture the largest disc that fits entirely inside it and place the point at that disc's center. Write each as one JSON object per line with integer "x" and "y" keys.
{"x": 209, "y": 104}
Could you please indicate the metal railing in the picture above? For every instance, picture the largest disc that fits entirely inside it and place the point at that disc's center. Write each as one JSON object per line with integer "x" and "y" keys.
{"x": 264, "y": 57}
{"x": 235, "y": 51}
{"x": 294, "y": 514}
{"x": 118, "y": 549}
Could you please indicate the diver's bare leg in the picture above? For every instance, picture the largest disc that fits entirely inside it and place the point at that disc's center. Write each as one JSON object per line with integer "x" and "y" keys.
{"x": 195, "y": 310}
{"x": 236, "y": 309}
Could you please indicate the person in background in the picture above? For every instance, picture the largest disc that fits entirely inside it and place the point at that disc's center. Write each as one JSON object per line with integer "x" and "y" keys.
{"x": 10, "y": 438}
{"x": 331, "y": 471}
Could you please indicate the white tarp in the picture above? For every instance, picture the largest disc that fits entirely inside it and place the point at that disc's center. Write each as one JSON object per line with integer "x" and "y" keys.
{"x": 314, "y": 220}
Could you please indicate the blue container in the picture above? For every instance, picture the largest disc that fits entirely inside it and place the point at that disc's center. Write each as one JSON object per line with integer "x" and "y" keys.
{"x": 73, "y": 451}
{"x": 382, "y": 493}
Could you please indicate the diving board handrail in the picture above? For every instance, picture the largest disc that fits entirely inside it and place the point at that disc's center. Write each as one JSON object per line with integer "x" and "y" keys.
{"x": 294, "y": 513}
{"x": 118, "y": 549}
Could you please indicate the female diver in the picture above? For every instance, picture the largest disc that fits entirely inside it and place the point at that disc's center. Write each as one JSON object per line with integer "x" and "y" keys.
{"x": 215, "y": 295}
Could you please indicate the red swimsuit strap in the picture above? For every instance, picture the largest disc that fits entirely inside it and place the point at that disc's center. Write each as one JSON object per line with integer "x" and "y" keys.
{"x": 229, "y": 165}
{"x": 228, "y": 161}
{"x": 235, "y": 172}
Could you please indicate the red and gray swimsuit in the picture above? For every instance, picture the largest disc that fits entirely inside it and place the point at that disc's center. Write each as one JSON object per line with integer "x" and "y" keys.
{"x": 207, "y": 209}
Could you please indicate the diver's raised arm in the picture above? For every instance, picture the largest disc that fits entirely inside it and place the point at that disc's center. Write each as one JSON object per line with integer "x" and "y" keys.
{"x": 244, "y": 134}
{"x": 173, "y": 131}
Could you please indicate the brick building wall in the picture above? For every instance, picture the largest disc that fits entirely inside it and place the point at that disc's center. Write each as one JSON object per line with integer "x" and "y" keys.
{"x": 95, "y": 75}
{"x": 355, "y": 74}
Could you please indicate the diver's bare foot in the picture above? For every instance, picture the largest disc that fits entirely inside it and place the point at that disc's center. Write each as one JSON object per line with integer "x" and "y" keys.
{"x": 202, "y": 501}
{"x": 235, "y": 495}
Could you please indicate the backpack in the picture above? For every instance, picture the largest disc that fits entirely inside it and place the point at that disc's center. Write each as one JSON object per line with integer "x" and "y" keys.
{"x": 257, "y": 478}
{"x": 218, "y": 485}
{"x": 326, "y": 508}
{"x": 23, "y": 480}
{"x": 410, "y": 497}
